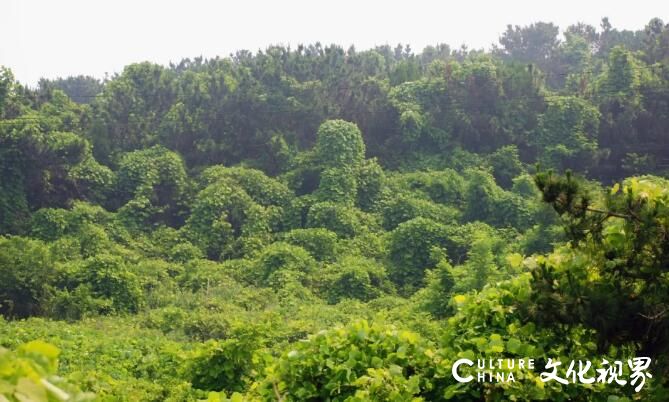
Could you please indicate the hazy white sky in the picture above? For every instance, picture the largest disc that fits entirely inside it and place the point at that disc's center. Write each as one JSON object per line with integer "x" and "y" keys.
{"x": 48, "y": 38}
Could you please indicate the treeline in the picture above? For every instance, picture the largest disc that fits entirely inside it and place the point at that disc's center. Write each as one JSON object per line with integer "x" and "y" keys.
{"x": 593, "y": 101}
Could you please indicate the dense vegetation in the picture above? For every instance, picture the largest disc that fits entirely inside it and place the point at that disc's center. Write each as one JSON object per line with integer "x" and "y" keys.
{"x": 329, "y": 224}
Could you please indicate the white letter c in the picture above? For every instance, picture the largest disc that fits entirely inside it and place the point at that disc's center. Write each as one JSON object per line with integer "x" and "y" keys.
{"x": 457, "y": 376}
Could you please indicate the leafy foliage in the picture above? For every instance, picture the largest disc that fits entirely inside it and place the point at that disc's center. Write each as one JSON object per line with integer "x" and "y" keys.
{"x": 321, "y": 223}
{"x": 28, "y": 374}
{"x": 359, "y": 362}
{"x": 414, "y": 246}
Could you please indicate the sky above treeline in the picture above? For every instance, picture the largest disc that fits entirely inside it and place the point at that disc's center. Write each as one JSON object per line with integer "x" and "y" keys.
{"x": 46, "y": 38}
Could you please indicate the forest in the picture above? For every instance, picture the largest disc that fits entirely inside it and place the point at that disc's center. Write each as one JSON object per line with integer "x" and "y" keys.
{"x": 328, "y": 224}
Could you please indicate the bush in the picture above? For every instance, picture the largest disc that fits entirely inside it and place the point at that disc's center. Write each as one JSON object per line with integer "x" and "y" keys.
{"x": 27, "y": 273}
{"x": 105, "y": 278}
{"x": 411, "y": 248}
{"x": 72, "y": 305}
{"x": 371, "y": 184}
{"x": 262, "y": 189}
{"x": 158, "y": 177}
{"x": 340, "y": 219}
{"x": 443, "y": 187}
{"x": 221, "y": 215}
{"x": 359, "y": 362}
{"x": 435, "y": 296}
{"x": 506, "y": 165}
{"x": 223, "y": 365}
{"x": 355, "y": 277}
{"x": 338, "y": 185}
{"x": 279, "y": 258}
{"x": 339, "y": 144}
{"x": 320, "y": 243}
{"x": 203, "y": 274}
{"x": 489, "y": 203}
{"x": 402, "y": 208}
{"x": 96, "y": 182}
{"x": 50, "y": 224}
